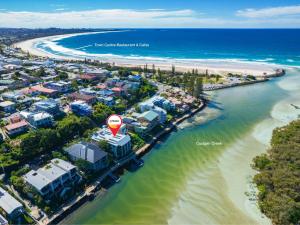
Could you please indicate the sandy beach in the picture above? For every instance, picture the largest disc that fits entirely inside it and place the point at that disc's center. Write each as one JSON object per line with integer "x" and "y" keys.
{"x": 215, "y": 66}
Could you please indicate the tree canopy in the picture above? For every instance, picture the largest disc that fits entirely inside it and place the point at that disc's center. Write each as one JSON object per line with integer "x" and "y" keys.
{"x": 278, "y": 180}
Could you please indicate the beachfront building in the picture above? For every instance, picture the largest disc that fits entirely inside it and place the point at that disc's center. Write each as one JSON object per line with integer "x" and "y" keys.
{"x": 91, "y": 153}
{"x": 56, "y": 178}
{"x": 9, "y": 205}
{"x": 81, "y": 108}
{"x": 120, "y": 145}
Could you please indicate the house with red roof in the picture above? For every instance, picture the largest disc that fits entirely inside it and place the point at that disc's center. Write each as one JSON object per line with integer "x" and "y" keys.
{"x": 46, "y": 91}
{"x": 76, "y": 96}
{"x": 16, "y": 128}
{"x": 118, "y": 91}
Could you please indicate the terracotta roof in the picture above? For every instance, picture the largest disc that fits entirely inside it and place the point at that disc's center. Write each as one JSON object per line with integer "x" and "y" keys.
{"x": 101, "y": 86}
{"x": 88, "y": 77}
{"x": 117, "y": 89}
{"x": 13, "y": 126}
{"x": 42, "y": 89}
{"x": 84, "y": 97}
{"x": 26, "y": 91}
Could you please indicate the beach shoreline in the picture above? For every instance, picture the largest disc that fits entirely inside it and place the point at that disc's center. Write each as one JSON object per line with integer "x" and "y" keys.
{"x": 214, "y": 66}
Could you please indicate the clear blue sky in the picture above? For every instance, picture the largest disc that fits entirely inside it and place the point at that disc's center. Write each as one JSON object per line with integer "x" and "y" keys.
{"x": 193, "y": 13}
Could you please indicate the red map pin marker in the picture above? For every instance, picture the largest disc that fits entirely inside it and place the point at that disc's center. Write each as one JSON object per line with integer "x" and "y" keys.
{"x": 114, "y": 123}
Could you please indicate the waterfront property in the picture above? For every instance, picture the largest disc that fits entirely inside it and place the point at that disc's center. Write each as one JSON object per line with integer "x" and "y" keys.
{"x": 120, "y": 145}
{"x": 53, "y": 179}
{"x": 89, "y": 152}
{"x": 149, "y": 119}
{"x": 9, "y": 205}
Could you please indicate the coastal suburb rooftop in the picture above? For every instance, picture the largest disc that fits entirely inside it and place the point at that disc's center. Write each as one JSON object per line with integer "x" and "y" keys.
{"x": 105, "y": 134}
{"x": 49, "y": 173}
{"x": 8, "y": 203}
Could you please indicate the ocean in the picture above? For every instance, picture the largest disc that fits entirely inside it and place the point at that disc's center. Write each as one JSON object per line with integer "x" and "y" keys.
{"x": 275, "y": 46}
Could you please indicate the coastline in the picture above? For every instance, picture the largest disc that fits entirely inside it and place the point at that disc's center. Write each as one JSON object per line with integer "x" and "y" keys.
{"x": 142, "y": 151}
{"x": 214, "y": 66}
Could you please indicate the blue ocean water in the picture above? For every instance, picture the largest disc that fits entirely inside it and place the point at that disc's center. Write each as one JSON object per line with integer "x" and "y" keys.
{"x": 280, "y": 46}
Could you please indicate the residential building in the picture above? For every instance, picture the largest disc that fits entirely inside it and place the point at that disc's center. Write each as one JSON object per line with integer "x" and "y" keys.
{"x": 7, "y": 106}
{"x": 3, "y": 221}
{"x": 10, "y": 83}
{"x": 46, "y": 91}
{"x": 149, "y": 119}
{"x": 109, "y": 101}
{"x": 88, "y": 91}
{"x": 136, "y": 78}
{"x": 97, "y": 72}
{"x": 120, "y": 145}
{"x": 81, "y": 108}
{"x": 89, "y": 78}
{"x": 162, "y": 114}
{"x": 16, "y": 128}
{"x": 37, "y": 120}
{"x": 118, "y": 91}
{"x": 60, "y": 86}
{"x": 10, "y": 206}
{"x": 96, "y": 157}
{"x": 50, "y": 106}
{"x": 54, "y": 178}
{"x": 87, "y": 98}
{"x": 105, "y": 93}
{"x": 12, "y": 96}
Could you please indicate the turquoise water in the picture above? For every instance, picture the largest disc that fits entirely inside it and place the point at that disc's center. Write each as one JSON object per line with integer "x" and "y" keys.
{"x": 186, "y": 182}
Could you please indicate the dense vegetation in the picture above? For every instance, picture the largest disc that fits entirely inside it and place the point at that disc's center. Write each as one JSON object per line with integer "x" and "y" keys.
{"x": 42, "y": 141}
{"x": 278, "y": 180}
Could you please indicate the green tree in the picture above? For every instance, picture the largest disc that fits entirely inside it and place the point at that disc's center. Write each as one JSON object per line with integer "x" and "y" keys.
{"x": 198, "y": 87}
{"x": 101, "y": 112}
{"x": 173, "y": 70}
{"x": 278, "y": 180}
